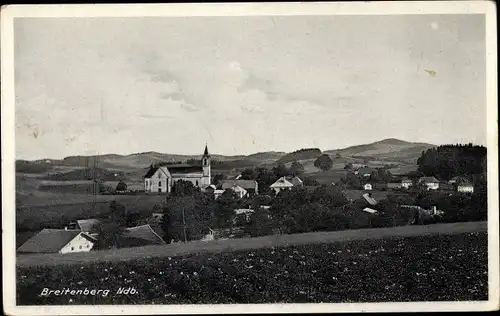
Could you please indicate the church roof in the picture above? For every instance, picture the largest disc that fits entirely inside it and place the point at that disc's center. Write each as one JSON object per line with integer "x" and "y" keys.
{"x": 206, "y": 151}
{"x": 175, "y": 169}
{"x": 151, "y": 172}
{"x": 184, "y": 168}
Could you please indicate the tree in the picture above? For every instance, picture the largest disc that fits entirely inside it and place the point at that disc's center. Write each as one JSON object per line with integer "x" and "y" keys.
{"x": 281, "y": 170}
{"x": 260, "y": 223}
{"x": 351, "y": 181}
{"x": 328, "y": 196}
{"x": 323, "y": 162}
{"x": 296, "y": 168}
{"x": 113, "y": 226}
{"x": 224, "y": 213}
{"x": 217, "y": 178}
{"x": 186, "y": 217}
{"x": 181, "y": 188}
{"x": 121, "y": 186}
{"x": 308, "y": 181}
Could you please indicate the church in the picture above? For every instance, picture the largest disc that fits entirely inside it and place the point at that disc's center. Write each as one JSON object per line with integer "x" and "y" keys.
{"x": 160, "y": 178}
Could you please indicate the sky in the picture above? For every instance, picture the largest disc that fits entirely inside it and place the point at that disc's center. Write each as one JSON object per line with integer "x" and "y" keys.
{"x": 246, "y": 84}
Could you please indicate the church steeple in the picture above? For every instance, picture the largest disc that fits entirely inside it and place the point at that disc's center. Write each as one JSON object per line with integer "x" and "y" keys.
{"x": 205, "y": 164}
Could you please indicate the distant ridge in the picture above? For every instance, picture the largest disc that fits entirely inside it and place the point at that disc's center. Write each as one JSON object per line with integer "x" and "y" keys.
{"x": 386, "y": 149}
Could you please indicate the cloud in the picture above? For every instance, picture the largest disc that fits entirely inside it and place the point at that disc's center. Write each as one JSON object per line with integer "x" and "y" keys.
{"x": 276, "y": 84}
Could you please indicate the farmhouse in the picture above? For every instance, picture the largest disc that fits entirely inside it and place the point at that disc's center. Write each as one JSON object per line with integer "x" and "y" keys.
{"x": 250, "y": 186}
{"x": 240, "y": 192}
{"x": 281, "y": 184}
{"x": 367, "y": 187}
{"x": 89, "y": 226}
{"x": 161, "y": 178}
{"x": 406, "y": 183}
{"x": 58, "y": 241}
{"x": 218, "y": 193}
{"x": 430, "y": 183}
{"x": 464, "y": 186}
{"x": 138, "y": 236}
{"x": 364, "y": 172}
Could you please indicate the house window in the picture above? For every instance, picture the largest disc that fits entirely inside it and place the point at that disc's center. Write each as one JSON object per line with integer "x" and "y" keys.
{"x": 80, "y": 247}
{"x": 159, "y": 183}
{"x": 72, "y": 248}
{"x": 196, "y": 182}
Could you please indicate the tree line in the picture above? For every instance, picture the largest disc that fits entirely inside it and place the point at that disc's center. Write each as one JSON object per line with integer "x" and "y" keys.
{"x": 448, "y": 161}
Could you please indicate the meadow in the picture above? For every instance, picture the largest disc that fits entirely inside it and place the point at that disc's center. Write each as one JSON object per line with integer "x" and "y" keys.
{"x": 401, "y": 269}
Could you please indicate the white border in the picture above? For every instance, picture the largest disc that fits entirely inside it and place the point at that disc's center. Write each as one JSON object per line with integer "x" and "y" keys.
{"x": 8, "y": 13}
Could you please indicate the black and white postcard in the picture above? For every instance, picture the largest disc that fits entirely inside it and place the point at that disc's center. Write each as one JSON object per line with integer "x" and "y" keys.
{"x": 242, "y": 158}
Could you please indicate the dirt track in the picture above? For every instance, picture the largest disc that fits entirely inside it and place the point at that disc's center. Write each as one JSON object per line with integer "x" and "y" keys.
{"x": 248, "y": 243}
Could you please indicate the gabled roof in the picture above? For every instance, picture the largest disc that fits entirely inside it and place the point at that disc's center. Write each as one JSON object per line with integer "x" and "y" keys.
{"x": 295, "y": 180}
{"x": 368, "y": 198}
{"x": 237, "y": 188}
{"x": 151, "y": 172}
{"x": 143, "y": 235}
{"x": 184, "y": 168}
{"x": 281, "y": 183}
{"x": 370, "y": 210}
{"x": 49, "y": 241}
{"x": 428, "y": 180}
{"x": 245, "y": 184}
{"x": 89, "y": 225}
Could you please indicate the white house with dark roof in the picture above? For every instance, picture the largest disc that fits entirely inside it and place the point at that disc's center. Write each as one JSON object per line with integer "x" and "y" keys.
{"x": 463, "y": 185}
{"x": 430, "y": 183}
{"x": 281, "y": 184}
{"x": 58, "y": 241}
{"x": 286, "y": 183}
{"x": 161, "y": 178}
{"x": 406, "y": 183}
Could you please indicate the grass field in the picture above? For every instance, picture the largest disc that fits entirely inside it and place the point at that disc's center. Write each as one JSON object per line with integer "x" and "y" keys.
{"x": 424, "y": 268}
{"x": 35, "y": 213}
{"x": 178, "y": 249}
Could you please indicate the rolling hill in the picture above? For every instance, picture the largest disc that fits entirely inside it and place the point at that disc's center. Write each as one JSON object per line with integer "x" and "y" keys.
{"x": 388, "y": 149}
{"x": 385, "y": 150}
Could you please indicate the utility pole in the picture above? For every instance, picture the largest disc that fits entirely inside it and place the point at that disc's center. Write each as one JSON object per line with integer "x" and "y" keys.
{"x": 184, "y": 225}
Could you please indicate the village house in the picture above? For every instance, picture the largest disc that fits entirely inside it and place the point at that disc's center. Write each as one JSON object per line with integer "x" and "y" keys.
{"x": 250, "y": 186}
{"x": 218, "y": 193}
{"x": 280, "y": 185}
{"x": 430, "y": 183}
{"x": 464, "y": 186}
{"x": 242, "y": 214}
{"x": 143, "y": 235}
{"x": 58, "y": 241}
{"x": 160, "y": 178}
{"x": 286, "y": 183}
{"x": 406, "y": 183}
{"x": 367, "y": 187}
{"x": 89, "y": 226}
{"x": 364, "y": 172}
{"x": 240, "y": 192}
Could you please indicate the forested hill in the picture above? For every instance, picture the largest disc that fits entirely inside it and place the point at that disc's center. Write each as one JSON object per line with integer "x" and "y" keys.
{"x": 448, "y": 161}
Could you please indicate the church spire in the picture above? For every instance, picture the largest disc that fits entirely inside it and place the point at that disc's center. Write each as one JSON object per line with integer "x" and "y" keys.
{"x": 206, "y": 150}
